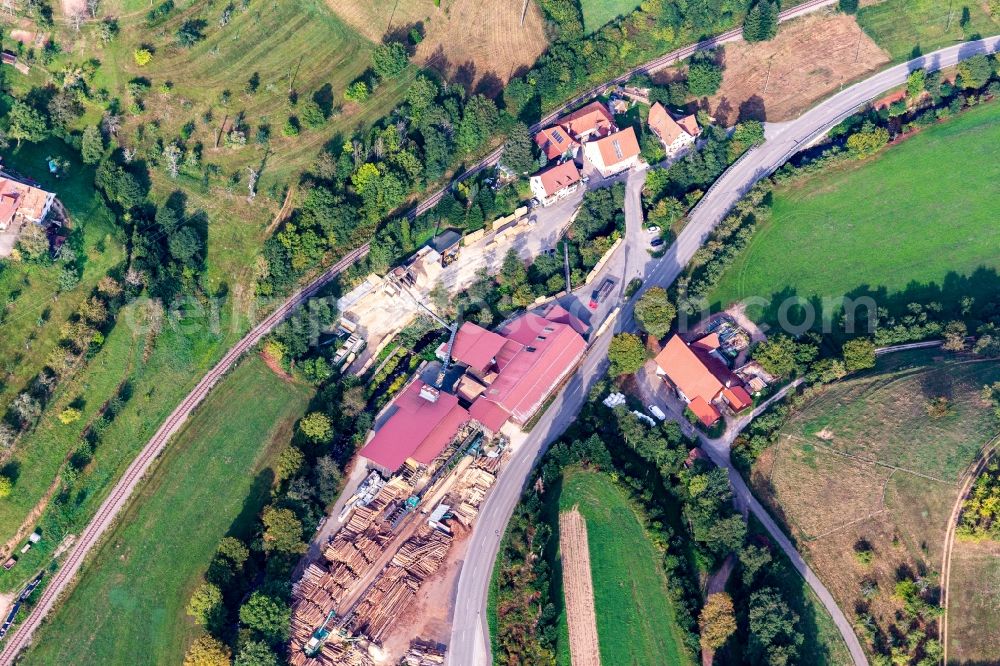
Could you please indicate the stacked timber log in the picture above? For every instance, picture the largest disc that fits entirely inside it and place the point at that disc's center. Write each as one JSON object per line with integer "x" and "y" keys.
{"x": 471, "y": 490}
{"x": 350, "y": 555}
{"x": 423, "y": 653}
{"x": 333, "y": 653}
{"x": 417, "y": 559}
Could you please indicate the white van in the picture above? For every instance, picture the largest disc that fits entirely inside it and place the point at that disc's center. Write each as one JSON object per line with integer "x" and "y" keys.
{"x": 657, "y": 412}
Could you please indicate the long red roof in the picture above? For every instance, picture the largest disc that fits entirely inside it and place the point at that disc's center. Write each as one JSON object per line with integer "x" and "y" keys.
{"x": 417, "y": 429}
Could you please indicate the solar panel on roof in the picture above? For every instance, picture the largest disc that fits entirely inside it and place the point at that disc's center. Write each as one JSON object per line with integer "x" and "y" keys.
{"x": 557, "y": 136}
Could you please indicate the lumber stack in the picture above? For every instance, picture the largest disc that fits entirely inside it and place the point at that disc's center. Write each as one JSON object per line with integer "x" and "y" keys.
{"x": 417, "y": 559}
{"x": 423, "y": 653}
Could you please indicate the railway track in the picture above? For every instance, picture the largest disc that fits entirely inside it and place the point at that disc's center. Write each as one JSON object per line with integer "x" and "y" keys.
{"x": 123, "y": 489}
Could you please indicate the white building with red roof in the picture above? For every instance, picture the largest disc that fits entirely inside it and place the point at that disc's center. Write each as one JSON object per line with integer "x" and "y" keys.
{"x": 564, "y": 137}
{"x": 614, "y": 153}
{"x": 555, "y": 182}
{"x": 677, "y": 136}
{"x": 700, "y": 378}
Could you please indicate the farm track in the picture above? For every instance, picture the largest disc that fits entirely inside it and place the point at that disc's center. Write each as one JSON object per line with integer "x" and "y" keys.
{"x": 574, "y": 548}
{"x": 949, "y": 539}
{"x": 109, "y": 509}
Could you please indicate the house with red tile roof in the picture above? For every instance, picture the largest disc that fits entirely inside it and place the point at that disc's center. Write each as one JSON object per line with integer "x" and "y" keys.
{"x": 677, "y": 136}
{"x": 555, "y": 182}
{"x": 20, "y": 202}
{"x": 700, "y": 378}
{"x": 556, "y": 142}
{"x": 537, "y": 354}
{"x": 422, "y": 421}
{"x": 564, "y": 137}
{"x": 614, "y": 153}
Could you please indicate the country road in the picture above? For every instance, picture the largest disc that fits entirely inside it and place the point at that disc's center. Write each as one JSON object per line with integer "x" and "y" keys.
{"x": 469, "y": 645}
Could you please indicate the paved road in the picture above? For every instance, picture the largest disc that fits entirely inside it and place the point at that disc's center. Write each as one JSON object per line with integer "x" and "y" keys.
{"x": 469, "y": 642}
{"x": 120, "y": 494}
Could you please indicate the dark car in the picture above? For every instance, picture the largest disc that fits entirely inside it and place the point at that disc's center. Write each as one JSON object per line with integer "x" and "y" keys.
{"x": 601, "y": 293}
{"x": 656, "y": 242}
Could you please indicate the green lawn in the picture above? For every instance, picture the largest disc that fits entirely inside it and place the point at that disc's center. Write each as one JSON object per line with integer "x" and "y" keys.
{"x": 917, "y": 212}
{"x": 908, "y": 28}
{"x": 598, "y": 12}
{"x": 635, "y": 621}
{"x": 128, "y": 606}
{"x": 32, "y": 318}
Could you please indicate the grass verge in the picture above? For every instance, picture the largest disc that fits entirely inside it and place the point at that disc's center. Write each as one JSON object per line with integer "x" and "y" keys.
{"x": 212, "y": 481}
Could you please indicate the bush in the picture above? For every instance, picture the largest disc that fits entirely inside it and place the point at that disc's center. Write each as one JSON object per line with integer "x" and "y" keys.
{"x": 142, "y": 56}
{"x": 6, "y": 487}
{"x": 356, "y": 92}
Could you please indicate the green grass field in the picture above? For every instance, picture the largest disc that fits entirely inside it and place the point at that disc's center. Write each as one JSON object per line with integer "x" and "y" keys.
{"x": 917, "y": 212}
{"x": 598, "y": 12}
{"x": 634, "y": 617}
{"x": 30, "y": 324}
{"x": 908, "y": 28}
{"x": 292, "y": 46}
{"x": 974, "y": 635}
{"x": 129, "y": 603}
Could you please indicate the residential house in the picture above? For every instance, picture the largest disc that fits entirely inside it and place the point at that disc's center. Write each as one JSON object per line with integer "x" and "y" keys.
{"x": 701, "y": 378}
{"x": 677, "y": 136}
{"x": 614, "y": 153}
{"x": 554, "y": 183}
{"x": 565, "y": 136}
{"x": 20, "y": 202}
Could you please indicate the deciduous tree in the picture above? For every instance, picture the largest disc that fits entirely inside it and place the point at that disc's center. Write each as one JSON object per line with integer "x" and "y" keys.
{"x": 654, "y": 313}
{"x": 282, "y": 531}
{"x": 859, "y": 354}
{"x": 717, "y": 621}
{"x": 204, "y": 603}
{"x": 266, "y": 615}
{"x": 207, "y": 651}
{"x": 316, "y": 427}
{"x": 626, "y": 354}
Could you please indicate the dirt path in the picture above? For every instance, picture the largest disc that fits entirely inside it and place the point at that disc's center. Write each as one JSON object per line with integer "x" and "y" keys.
{"x": 584, "y": 647}
{"x": 949, "y": 539}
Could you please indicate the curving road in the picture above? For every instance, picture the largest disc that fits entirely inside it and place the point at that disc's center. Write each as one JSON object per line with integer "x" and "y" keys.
{"x": 119, "y": 495}
{"x": 469, "y": 640}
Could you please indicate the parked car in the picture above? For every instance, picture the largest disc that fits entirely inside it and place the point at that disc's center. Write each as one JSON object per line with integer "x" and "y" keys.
{"x": 653, "y": 229}
{"x": 656, "y": 242}
{"x": 601, "y": 293}
{"x": 657, "y": 412}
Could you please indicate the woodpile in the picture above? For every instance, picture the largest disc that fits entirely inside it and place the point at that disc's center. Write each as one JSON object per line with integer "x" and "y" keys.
{"x": 471, "y": 489}
{"x": 417, "y": 559}
{"x": 349, "y": 556}
{"x": 333, "y": 653}
{"x": 423, "y": 653}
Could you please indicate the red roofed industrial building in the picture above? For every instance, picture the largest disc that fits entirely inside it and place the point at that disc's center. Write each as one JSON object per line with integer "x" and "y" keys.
{"x": 422, "y": 422}
{"x": 538, "y": 353}
{"x": 700, "y": 378}
{"x": 555, "y": 182}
